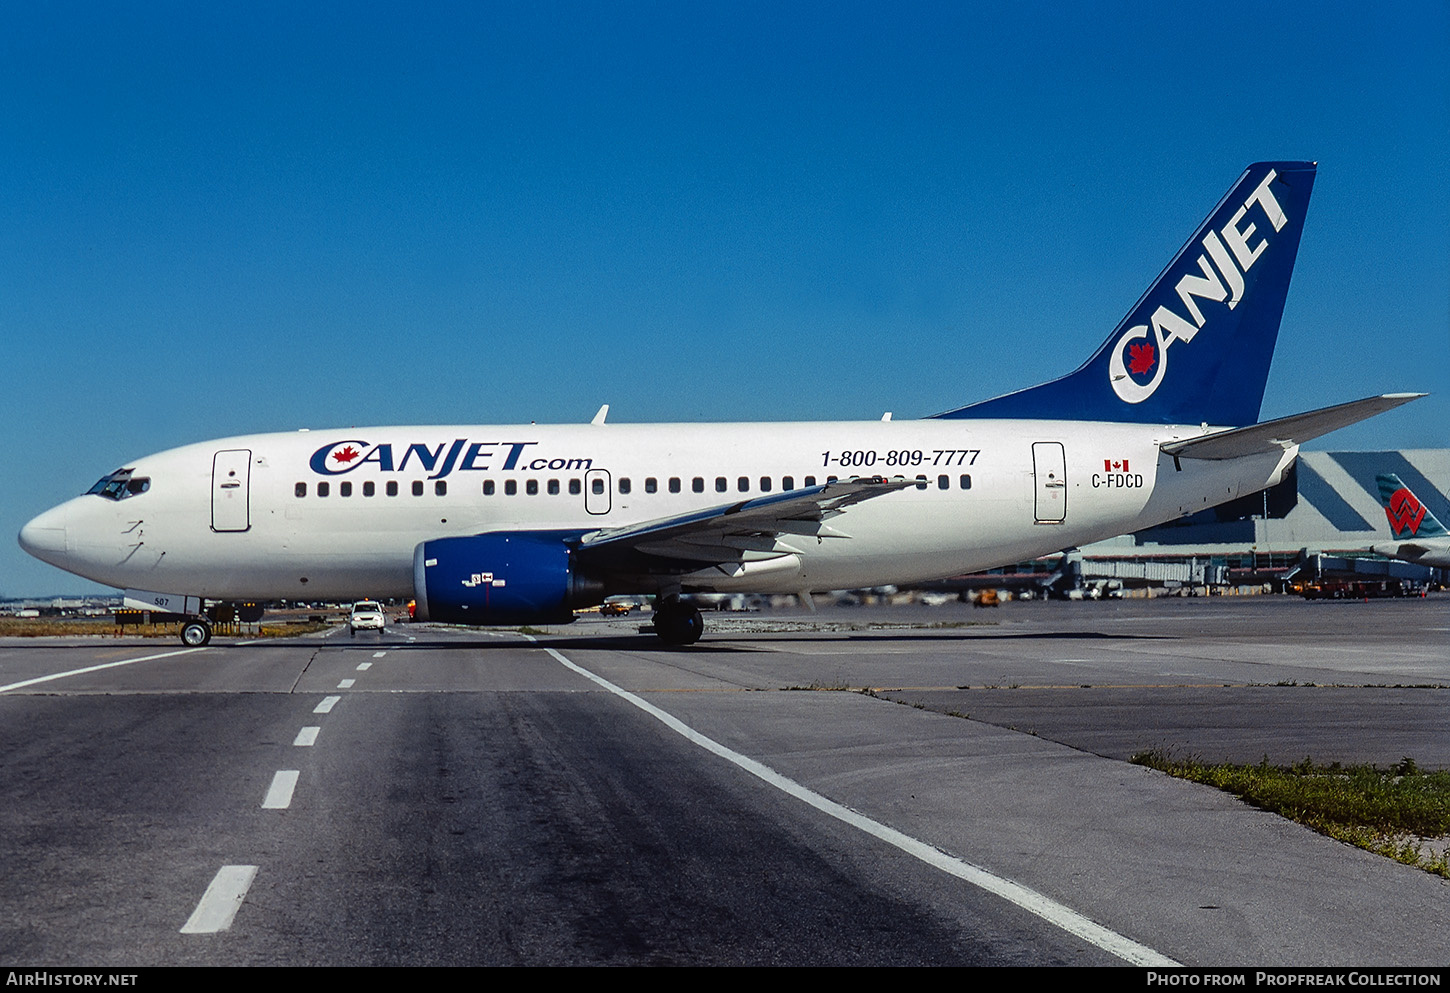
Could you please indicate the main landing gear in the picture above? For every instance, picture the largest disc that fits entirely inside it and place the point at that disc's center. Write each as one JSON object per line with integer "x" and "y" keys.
{"x": 678, "y": 623}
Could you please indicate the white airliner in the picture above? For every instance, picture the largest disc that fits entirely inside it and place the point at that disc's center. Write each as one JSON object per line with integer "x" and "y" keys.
{"x": 1419, "y": 536}
{"x": 521, "y": 523}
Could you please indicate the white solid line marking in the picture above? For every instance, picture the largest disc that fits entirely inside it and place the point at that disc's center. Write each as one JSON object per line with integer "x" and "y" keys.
{"x": 279, "y": 794}
{"x": 97, "y": 668}
{"x": 364, "y": 666}
{"x": 1028, "y": 899}
{"x": 221, "y": 901}
{"x": 306, "y": 737}
{"x": 325, "y": 707}
{"x": 378, "y": 655}
{"x": 346, "y": 684}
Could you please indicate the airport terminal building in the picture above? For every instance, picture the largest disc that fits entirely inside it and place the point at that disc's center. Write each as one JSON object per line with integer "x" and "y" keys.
{"x": 1320, "y": 520}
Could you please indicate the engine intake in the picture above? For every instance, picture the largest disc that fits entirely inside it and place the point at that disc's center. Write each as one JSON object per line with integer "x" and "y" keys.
{"x": 506, "y": 577}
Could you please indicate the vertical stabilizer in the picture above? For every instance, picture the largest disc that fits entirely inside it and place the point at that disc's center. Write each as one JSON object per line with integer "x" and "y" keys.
{"x": 1408, "y": 517}
{"x": 1196, "y": 347}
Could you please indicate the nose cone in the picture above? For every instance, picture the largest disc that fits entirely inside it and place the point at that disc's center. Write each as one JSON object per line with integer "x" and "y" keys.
{"x": 45, "y": 537}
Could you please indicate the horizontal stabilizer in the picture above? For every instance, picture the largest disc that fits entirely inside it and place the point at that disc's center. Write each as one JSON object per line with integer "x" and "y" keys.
{"x": 1286, "y": 432}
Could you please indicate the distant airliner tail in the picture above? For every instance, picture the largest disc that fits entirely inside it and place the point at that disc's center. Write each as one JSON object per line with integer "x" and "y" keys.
{"x": 1196, "y": 347}
{"x": 1409, "y": 518}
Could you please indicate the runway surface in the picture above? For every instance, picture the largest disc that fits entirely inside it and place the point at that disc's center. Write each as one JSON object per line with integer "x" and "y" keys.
{"x": 582, "y": 795}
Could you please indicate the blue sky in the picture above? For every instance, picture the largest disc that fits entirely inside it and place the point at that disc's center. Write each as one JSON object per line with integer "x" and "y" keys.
{"x": 233, "y": 217}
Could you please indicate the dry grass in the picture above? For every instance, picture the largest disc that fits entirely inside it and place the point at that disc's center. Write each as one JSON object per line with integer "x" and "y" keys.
{"x": 106, "y": 627}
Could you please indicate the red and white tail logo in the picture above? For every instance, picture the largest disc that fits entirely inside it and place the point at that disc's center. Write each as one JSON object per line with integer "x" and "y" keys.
{"x": 1405, "y": 512}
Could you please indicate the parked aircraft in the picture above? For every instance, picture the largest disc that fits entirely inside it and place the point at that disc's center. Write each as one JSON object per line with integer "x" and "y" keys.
{"x": 1419, "y": 535}
{"x": 523, "y": 524}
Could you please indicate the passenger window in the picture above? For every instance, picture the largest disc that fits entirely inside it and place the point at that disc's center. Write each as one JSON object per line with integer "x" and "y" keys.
{"x": 765, "y": 484}
{"x": 369, "y": 488}
{"x": 488, "y": 487}
{"x": 651, "y": 484}
{"x": 417, "y": 487}
{"x": 597, "y": 485}
{"x": 787, "y": 482}
{"x": 392, "y": 487}
{"x": 344, "y": 488}
{"x": 698, "y": 484}
{"x": 553, "y": 487}
{"x": 531, "y": 487}
{"x": 674, "y": 484}
{"x": 966, "y": 482}
{"x": 322, "y": 489}
{"x": 721, "y": 485}
{"x": 574, "y": 488}
{"x": 300, "y": 489}
{"x": 743, "y": 484}
{"x": 832, "y": 479}
{"x": 943, "y": 482}
{"x": 510, "y": 487}
{"x": 440, "y": 487}
{"x": 623, "y": 484}
{"x": 921, "y": 482}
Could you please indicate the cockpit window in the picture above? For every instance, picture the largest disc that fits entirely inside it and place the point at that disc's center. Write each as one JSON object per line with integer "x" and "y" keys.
{"x": 120, "y": 484}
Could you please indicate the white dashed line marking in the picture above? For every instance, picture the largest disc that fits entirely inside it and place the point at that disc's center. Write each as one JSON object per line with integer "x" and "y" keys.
{"x": 364, "y": 666}
{"x": 307, "y": 737}
{"x": 279, "y": 794}
{"x": 325, "y": 707}
{"x": 378, "y": 655}
{"x": 221, "y": 901}
{"x": 346, "y": 684}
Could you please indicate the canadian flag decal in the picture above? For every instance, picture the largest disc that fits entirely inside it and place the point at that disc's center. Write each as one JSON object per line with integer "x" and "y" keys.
{"x": 1109, "y": 465}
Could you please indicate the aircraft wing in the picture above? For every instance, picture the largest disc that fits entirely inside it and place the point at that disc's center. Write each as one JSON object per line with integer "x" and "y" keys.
{"x": 1285, "y": 432}
{"x": 727, "y": 532}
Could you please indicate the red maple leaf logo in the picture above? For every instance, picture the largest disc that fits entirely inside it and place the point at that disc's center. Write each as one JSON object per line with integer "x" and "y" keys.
{"x": 1141, "y": 359}
{"x": 346, "y": 455}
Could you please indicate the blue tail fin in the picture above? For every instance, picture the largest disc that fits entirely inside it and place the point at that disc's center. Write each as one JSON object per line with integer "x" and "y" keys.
{"x": 1409, "y": 518}
{"x": 1214, "y": 312}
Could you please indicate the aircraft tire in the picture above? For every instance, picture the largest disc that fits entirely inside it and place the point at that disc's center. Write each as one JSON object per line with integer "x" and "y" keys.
{"x": 679, "y": 624}
{"x": 195, "y": 634}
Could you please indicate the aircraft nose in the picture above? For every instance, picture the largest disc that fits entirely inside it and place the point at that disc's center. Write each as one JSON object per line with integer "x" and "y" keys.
{"x": 45, "y": 537}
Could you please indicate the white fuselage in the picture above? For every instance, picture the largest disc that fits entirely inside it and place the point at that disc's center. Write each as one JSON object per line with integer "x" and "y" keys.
{"x": 247, "y": 518}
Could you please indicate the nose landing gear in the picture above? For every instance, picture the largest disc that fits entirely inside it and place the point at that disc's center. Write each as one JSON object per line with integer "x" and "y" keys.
{"x": 195, "y": 633}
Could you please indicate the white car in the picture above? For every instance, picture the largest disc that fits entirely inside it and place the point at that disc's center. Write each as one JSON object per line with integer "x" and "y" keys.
{"x": 366, "y": 615}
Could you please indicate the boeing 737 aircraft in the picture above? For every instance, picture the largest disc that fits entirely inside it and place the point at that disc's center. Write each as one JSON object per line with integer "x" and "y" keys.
{"x": 523, "y": 524}
{"x": 1419, "y": 535}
